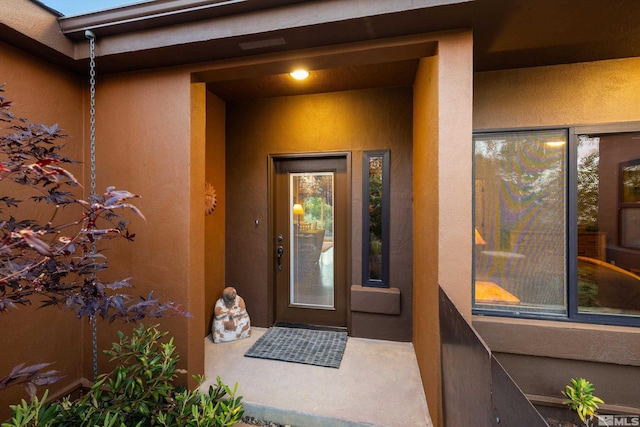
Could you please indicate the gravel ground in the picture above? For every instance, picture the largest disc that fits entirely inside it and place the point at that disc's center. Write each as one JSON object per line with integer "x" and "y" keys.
{"x": 250, "y": 421}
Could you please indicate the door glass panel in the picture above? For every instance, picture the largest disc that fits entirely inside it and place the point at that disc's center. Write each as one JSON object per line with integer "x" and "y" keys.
{"x": 311, "y": 231}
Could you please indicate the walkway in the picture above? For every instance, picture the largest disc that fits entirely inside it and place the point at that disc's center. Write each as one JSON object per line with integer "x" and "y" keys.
{"x": 378, "y": 384}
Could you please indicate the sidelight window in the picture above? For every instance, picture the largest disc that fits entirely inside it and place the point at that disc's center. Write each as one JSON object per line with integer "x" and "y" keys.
{"x": 375, "y": 219}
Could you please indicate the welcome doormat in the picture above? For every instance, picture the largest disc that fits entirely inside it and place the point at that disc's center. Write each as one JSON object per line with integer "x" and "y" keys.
{"x": 311, "y": 347}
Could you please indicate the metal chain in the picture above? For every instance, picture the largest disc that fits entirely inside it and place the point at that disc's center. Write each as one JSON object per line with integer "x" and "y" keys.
{"x": 92, "y": 136}
{"x": 92, "y": 110}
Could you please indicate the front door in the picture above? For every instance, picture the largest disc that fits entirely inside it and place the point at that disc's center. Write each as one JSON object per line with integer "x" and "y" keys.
{"x": 310, "y": 240}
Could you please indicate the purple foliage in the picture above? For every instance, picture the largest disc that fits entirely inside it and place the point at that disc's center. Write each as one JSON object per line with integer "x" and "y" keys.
{"x": 30, "y": 377}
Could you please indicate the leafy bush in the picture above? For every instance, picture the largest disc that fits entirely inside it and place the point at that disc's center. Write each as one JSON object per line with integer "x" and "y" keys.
{"x": 139, "y": 392}
{"x": 580, "y": 398}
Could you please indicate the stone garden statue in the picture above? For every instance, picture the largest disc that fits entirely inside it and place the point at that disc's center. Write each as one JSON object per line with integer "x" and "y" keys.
{"x": 230, "y": 318}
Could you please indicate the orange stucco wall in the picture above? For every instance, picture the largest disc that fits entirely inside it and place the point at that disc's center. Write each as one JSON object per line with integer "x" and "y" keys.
{"x": 215, "y": 223}
{"x": 43, "y": 94}
{"x": 425, "y": 251}
{"x": 146, "y": 127}
{"x": 455, "y": 89}
{"x": 442, "y": 199}
{"x": 573, "y": 94}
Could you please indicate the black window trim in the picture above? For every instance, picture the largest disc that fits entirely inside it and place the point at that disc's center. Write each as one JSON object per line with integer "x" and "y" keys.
{"x": 386, "y": 215}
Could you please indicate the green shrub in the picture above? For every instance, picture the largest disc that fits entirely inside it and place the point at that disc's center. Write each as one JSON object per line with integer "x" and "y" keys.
{"x": 138, "y": 392}
{"x": 580, "y": 398}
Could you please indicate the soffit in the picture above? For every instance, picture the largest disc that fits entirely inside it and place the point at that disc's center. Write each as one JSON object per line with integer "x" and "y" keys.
{"x": 388, "y": 74}
{"x": 160, "y": 13}
{"x": 287, "y": 27}
{"x": 529, "y": 33}
{"x": 507, "y": 34}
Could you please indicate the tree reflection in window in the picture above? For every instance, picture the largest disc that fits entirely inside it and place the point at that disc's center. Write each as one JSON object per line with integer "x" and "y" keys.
{"x": 588, "y": 182}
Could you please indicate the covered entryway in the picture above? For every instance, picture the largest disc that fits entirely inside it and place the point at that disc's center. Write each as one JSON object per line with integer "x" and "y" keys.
{"x": 383, "y": 95}
{"x": 358, "y": 99}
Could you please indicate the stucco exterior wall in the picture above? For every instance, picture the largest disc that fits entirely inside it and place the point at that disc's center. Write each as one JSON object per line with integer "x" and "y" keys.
{"x": 425, "y": 250}
{"x": 592, "y": 93}
{"x": 574, "y": 94}
{"x": 151, "y": 133}
{"x": 442, "y": 199}
{"x": 35, "y": 22}
{"x": 353, "y": 121}
{"x": 455, "y": 88}
{"x": 215, "y": 223}
{"x": 48, "y": 95}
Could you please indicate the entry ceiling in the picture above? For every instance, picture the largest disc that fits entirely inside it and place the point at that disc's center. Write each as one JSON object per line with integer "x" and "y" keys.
{"x": 399, "y": 73}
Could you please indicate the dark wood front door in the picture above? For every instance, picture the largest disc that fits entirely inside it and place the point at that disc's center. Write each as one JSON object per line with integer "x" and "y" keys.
{"x": 310, "y": 198}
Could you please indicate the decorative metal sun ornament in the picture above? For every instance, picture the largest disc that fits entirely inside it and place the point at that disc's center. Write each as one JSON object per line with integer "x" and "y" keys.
{"x": 210, "y": 199}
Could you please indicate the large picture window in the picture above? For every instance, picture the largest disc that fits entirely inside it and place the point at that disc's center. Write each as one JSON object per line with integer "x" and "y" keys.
{"x": 556, "y": 225}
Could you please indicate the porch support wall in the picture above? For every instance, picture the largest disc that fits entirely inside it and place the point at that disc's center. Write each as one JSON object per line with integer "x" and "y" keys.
{"x": 195, "y": 286}
{"x": 214, "y": 233}
{"x": 151, "y": 132}
{"x": 442, "y": 199}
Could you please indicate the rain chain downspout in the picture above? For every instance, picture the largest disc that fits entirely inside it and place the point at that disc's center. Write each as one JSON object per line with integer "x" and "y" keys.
{"x": 92, "y": 119}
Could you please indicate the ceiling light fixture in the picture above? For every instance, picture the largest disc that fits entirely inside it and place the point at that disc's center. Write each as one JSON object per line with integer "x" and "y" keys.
{"x": 299, "y": 74}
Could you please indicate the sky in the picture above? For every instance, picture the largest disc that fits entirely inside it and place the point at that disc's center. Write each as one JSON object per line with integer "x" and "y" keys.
{"x": 76, "y": 7}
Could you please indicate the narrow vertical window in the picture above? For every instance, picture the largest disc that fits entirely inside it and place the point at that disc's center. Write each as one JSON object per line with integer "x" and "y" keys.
{"x": 375, "y": 219}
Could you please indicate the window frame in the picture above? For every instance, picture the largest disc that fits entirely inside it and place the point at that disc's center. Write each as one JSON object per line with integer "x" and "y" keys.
{"x": 625, "y": 205}
{"x": 386, "y": 218}
{"x": 572, "y": 313}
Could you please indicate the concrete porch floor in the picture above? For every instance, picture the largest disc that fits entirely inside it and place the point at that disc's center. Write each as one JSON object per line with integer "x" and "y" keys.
{"x": 378, "y": 384}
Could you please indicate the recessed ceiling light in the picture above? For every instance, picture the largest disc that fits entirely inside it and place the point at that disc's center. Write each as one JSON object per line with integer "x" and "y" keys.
{"x": 299, "y": 74}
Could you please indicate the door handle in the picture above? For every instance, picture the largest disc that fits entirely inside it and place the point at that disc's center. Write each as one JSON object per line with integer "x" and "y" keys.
{"x": 280, "y": 252}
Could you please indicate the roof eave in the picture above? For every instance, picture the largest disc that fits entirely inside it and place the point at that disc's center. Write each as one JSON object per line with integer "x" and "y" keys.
{"x": 162, "y": 13}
